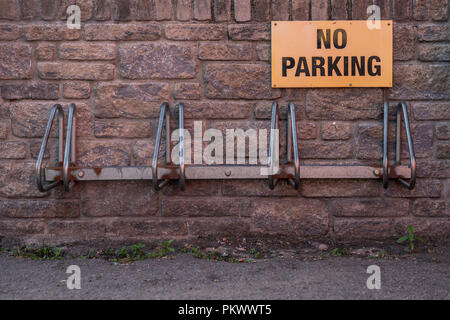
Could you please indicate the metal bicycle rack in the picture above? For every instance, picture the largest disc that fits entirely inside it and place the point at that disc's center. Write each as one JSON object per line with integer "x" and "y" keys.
{"x": 67, "y": 171}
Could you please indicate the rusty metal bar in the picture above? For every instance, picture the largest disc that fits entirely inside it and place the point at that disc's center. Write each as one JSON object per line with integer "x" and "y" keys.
{"x": 69, "y": 149}
{"x": 56, "y": 109}
{"x": 225, "y": 172}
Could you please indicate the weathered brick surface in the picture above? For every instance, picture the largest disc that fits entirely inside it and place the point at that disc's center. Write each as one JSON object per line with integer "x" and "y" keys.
{"x": 209, "y": 51}
{"x": 30, "y": 90}
{"x": 214, "y": 56}
{"x": 130, "y": 100}
{"x": 101, "y": 32}
{"x": 15, "y": 61}
{"x": 250, "y": 81}
{"x": 299, "y": 218}
{"x": 91, "y": 51}
{"x": 75, "y": 71}
{"x": 156, "y": 61}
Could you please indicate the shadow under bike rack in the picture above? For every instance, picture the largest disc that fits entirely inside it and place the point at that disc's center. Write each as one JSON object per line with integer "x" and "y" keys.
{"x": 160, "y": 175}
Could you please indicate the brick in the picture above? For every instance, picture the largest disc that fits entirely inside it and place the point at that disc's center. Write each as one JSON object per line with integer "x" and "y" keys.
{"x": 336, "y": 130}
{"x": 428, "y": 81}
{"x": 194, "y": 189}
{"x": 187, "y": 90}
{"x": 370, "y": 141}
{"x": 87, "y": 51}
{"x": 10, "y": 10}
{"x": 143, "y": 152}
{"x": 385, "y": 7}
{"x": 422, "y": 135}
{"x": 404, "y": 42}
{"x": 217, "y": 110}
{"x": 163, "y": 9}
{"x": 433, "y": 169}
{"x": 222, "y": 10}
{"x": 195, "y": 32}
{"x": 251, "y": 32}
{"x": 443, "y": 150}
{"x": 421, "y": 9}
{"x": 156, "y": 61}
{"x": 434, "y": 52}
{"x": 423, "y": 189}
{"x": 35, "y": 148}
{"x": 326, "y": 150}
{"x": 219, "y": 227}
{"x": 306, "y": 130}
{"x": 239, "y": 188}
{"x": 433, "y": 32}
{"x": 29, "y": 119}
{"x": 359, "y": 9}
{"x": 112, "y": 198}
{"x": 352, "y": 228}
{"x": 251, "y": 81}
{"x": 76, "y": 90}
{"x": 340, "y": 188}
{"x": 145, "y": 229}
{"x": 431, "y": 208}
{"x": 4, "y": 129}
{"x": 30, "y": 90}
{"x": 86, "y": 9}
{"x": 99, "y": 154}
{"x": 102, "y": 10}
{"x": 263, "y": 110}
{"x": 443, "y": 131}
{"x": 202, "y": 10}
{"x": 201, "y": 207}
{"x": 120, "y": 129}
{"x": 75, "y": 71}
{"x": 402, "y": 10}
{"x": 130, "y": 32}
{"x": 15, "y": 61}
{"x": 184, "y": 10}
{"x": 48, "y": 9}
{"x": 299, "y": 217}
{"x": 144, "y": 10}
{"x": 13, "y": 150}
{"x": 263, "y": 52}
{"x": 14, "y": 228}
{"x": 17, "y": 179}
{"x": 436, "y": 228}
{"x": 130, "y": 100}
{"x": 281, "y": 9}
{"x": 261, "y": 10}
{"x": 340, "y": 9}
{"x": 9, "y": 32}
{"x": 45, "y": 51}
{"x": 225, "y": 51}
{"x": 371, "y": 207}
{"x": 431, "y": 110}
{"x": 29, "y": 9}
{"x": 300, "y": 9}
{"x": 122, "y": 10}
{"x": 439, "y": 10}
{"x": 39, "y": 209}
{"x": 320, "y": 10}
{"x": 242, "y": 10}
{"x": 48, "y": 32}
{"x": 344, "y": 104}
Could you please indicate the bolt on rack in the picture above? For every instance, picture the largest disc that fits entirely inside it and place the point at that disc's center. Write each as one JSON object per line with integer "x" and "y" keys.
{"x": 66, "y": 171}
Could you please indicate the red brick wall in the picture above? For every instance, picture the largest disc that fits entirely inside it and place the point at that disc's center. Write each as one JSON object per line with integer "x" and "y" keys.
{"x": 157, "y": 51}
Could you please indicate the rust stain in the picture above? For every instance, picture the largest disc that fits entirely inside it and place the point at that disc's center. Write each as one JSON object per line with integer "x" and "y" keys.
{"x": 97, "y": 170}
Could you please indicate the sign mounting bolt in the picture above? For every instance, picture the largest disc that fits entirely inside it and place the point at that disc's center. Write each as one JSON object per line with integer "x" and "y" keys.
{"x": 81, "y": 174}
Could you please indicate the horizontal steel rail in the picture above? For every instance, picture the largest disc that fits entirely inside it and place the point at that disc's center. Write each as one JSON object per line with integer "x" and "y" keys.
{"x": 227, "y": 172}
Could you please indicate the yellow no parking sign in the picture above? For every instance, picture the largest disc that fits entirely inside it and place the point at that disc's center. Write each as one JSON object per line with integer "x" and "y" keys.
{"x": 331, "y": 54}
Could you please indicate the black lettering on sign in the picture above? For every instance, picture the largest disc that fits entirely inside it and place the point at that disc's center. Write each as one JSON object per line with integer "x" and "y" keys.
{"x": 326, "y": 38}
{"x": 333, "y": 66}
{"x": 357, "y": 65}
{"x": 317, "y": 63}
{"x": 302, "y": 67}
{"x": 370, "y": 66}
{"x": 286, "y": 66}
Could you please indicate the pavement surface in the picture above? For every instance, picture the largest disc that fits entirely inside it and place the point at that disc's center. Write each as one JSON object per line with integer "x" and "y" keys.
{"x": 187, "y": 277}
